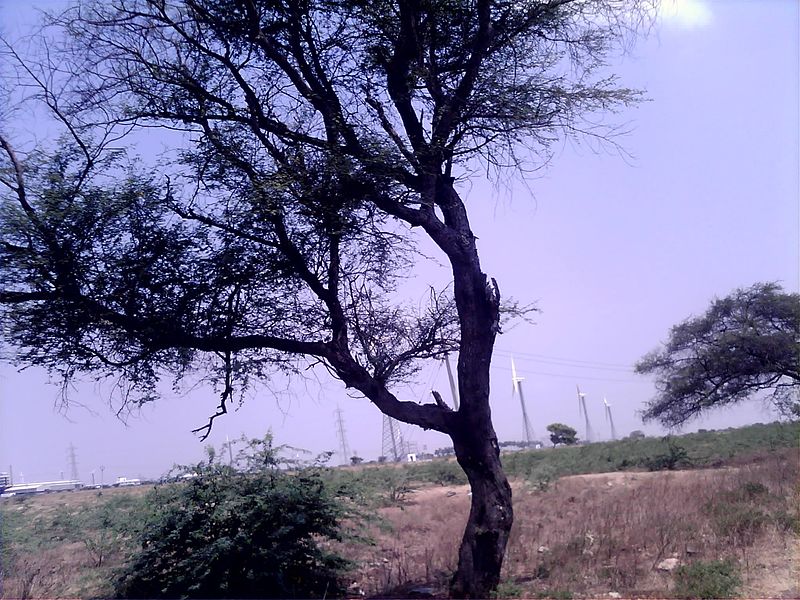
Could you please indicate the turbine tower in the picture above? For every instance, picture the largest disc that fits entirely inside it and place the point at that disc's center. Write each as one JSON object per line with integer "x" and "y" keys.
{"x": 453, "y": 386}
{"x": 609, "y": 418}
{"x": 584, "y": 413}
{"x": 516, "y": 387}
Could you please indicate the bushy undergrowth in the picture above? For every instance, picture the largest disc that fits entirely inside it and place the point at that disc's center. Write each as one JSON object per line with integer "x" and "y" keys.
{"x": 392, "y": 484}
{"x": 703, "y": 449}
{"x": 72, "y": 545}
{"x": 233, "y": 534}
{"x": 103, "y": 526}
{"x": 707, "y": 579}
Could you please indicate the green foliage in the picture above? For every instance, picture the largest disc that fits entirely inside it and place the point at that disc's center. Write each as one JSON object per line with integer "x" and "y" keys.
{"x": 106, "y": 528}
{"x": 441, "y": 472}
{"x": 675, "y": 457}
{"x": 739, "y": 515}
{"x": 508, "y": 589}
{"x": 711, "y": 448}
{"x": 555, "y": 594}
{"x": 707, "y": 579}
{"x": 562, "y": 434}
{"x": 104, "y": 525}
{"x": 744, "y": 343}
{"x": 541, "y": 477}
{"x": 225, "y": 533}
{"x": 394, "y": 486}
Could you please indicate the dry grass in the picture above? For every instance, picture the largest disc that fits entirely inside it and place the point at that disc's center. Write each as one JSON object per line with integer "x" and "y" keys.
{"x": 583, "y": 536}
{"x": 592, "y": 534}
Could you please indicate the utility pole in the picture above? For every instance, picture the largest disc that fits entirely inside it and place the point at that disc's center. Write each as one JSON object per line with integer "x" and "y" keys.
{"x": 453, "y": 386}
{"x": 102, "y": 468}
{"x": 230, "y": 450}
{"x": 92, "y": 478}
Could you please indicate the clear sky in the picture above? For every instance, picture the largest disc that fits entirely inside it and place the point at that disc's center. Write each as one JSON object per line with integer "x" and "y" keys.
{"x": 614, "y": 252}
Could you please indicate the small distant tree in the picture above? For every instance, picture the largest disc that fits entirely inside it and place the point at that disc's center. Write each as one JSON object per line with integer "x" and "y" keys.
{"x": 745, "y": 343}
{"x": 636, "y": 434}
{"x": 562, "y": 434}
{"x": 356, "y": 460}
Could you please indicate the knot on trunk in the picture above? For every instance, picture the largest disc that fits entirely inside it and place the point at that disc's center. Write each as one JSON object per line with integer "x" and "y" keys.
{"x": 493, "y": 298}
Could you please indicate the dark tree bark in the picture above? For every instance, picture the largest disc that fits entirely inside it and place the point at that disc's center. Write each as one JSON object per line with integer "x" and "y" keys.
{"x": 491, "y": 515}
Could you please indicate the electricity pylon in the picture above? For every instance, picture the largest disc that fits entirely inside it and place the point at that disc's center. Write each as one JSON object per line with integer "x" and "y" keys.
{"x": 392, "y": 447}
{"x": 344, "y": 448}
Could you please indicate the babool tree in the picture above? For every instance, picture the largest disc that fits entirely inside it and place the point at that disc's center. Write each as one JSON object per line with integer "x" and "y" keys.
{"x": 310, "y": 139}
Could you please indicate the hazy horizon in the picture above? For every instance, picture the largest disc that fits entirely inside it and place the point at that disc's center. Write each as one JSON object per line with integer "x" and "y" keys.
{"x": 613, "y": 250}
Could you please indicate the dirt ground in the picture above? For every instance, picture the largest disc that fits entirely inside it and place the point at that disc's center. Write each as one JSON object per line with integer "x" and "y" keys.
{"x": 585, "y": 536}
{"x": 615, "y": 553}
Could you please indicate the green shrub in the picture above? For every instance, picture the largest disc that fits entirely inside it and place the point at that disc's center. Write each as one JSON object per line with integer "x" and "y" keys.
{"x": 441, "y": 472}
{"x": 232, "y": 534}
{"x": 555, "y": 594}
{"x": 675, "y": 457}
{"x": 508, "y": 589}
{"x": 741, "y": 523}
{"x": 707, "y": 579}
{"x": 740, "y": 514}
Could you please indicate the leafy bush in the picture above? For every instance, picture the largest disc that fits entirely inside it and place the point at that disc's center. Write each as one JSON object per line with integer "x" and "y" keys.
{"x": 707, "y": 579}
{"x": 508, "y": 589}
{"x": 675, "y": 457}
{"x": 742, "y": 513}
{"x": 441, "y": 472}
{"x": 226, "y": 533}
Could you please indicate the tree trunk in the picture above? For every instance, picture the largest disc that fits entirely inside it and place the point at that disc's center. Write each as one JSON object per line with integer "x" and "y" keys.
{"x": 491, "y": 515}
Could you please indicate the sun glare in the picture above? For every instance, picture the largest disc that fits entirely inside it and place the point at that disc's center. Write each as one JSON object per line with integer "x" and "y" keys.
{"x": 688, "y": 14}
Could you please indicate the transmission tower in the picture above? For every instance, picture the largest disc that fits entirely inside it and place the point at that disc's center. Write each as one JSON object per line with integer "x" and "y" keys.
{"x": 516, "y": 387}
{"x": 584, "y": 413}
{"x": 392, "y": 447}
{"x": 344, "y": 448}
{"x": 73, "y": 463}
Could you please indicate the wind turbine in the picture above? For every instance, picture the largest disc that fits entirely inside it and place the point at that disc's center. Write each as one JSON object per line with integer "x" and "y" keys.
{"x": 453, "y": 386}
{"x": 609, "y": 418}
{"x": 582, "y": 411}
{"x": 516, "y": 387}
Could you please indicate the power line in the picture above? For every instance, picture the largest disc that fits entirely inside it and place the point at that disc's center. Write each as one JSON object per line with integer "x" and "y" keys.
{"x": 560, "y": 359}
{"x": 570, "y": 375}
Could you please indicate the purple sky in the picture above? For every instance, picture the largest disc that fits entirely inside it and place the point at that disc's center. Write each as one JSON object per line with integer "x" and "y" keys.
{"x": 613, "y": 251}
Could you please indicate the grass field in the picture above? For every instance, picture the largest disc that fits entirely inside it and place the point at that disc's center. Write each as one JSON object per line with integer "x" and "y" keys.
{"x": 589, "y": 520}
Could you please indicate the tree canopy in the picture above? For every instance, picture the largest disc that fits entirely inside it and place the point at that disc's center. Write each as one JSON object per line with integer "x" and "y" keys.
{"x": 745, "y": 343}
{"x": 309, "y": 143}
{"x": 562, "y": 434}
